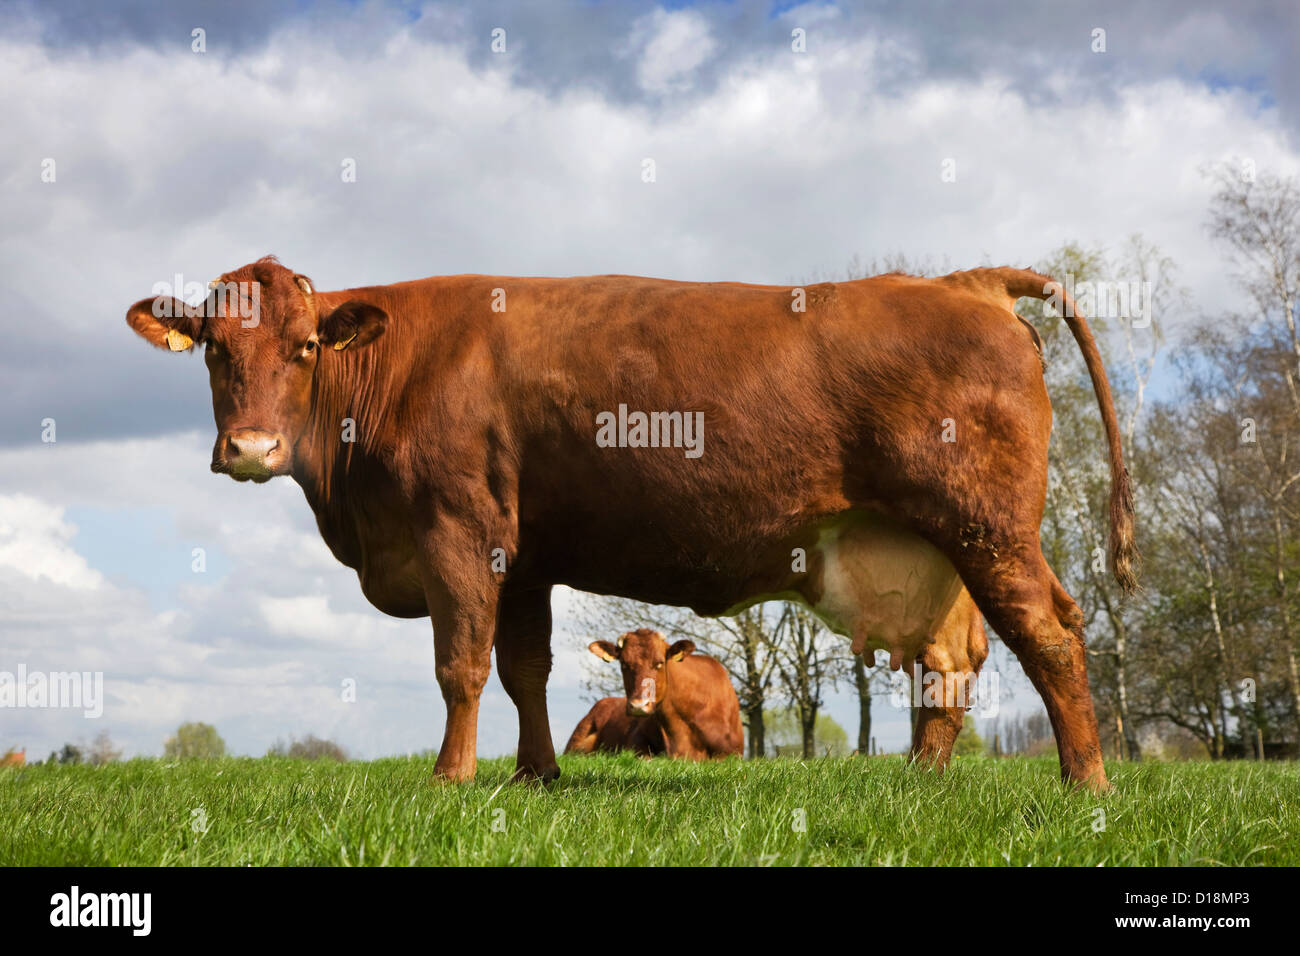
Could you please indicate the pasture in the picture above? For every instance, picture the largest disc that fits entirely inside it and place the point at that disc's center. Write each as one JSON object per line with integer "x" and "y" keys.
{"x": 610, "y": 811}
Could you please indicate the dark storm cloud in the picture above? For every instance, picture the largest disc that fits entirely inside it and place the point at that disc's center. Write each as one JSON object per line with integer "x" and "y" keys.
{"x": 90, "y": 382}
{"x": 568, "y": 43}
{"x": 232, "y": 24}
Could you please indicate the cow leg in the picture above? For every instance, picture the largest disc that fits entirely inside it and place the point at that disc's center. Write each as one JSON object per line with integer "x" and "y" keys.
{"x": 462, "y": 593}
{"x": 983, "y": 510}
{"x": 523, "y": 646}
{"x": 584, "y": 738}
{"x": 956, "y": 656}
{"x": 932, "y": 739}
{"x": 1043, "y": 626}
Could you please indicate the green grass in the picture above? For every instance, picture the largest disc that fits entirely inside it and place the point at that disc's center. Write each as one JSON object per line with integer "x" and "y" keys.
{"x": 620, "y": 810}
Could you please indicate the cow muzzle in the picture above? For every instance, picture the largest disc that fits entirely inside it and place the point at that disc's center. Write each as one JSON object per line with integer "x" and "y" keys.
{"x": 250, "y": 454}
{"x": 640, "y": 708}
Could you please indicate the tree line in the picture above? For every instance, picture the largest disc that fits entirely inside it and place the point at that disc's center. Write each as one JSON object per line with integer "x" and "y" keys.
{"x": 194, "y": 741}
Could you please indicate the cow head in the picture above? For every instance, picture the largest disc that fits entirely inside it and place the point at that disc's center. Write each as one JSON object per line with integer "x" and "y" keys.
{"x": 644, "y": 656}
{"x": 264, "y": 337}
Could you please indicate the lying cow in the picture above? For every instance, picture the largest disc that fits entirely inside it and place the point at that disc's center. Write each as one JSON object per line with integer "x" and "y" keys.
{"x": 467, "y": 442}
{"x": 610, "y": 727}
{"x": 678, "y": 702}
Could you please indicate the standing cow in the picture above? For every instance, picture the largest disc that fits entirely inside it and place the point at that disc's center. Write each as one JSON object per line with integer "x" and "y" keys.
{"x": 867, "y": 447}
{"x": 678, "y": 702}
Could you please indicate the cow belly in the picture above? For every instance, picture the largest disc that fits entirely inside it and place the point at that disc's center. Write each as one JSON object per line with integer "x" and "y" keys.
{"x": 877, "y": 583}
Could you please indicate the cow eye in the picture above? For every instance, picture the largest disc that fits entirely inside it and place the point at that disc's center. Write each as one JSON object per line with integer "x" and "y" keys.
{"x": 309, "y": 347}
{"x": 659, "y": 665}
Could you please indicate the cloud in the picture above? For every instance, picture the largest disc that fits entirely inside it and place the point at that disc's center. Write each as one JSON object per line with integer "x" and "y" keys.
{"x": 670, "y": 45}
{"x": 771, "y": 166}
{"x": 310, "y": 618}
{"x": 262, "y": 651}
{"x": 34, "y": 543}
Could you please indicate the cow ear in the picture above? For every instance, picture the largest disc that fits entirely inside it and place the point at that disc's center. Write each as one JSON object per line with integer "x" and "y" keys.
{"x": 166, "y": 322}
{"x": 352, "y": 324}
{"x": 680, "y": 650}
{"x": 604, "y": 650}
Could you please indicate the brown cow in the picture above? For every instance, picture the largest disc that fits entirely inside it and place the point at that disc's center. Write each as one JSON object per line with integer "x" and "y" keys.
{"x": 865, "y": 446}
{"x": 684, "y": 699}
{"x": 610, "y": 727}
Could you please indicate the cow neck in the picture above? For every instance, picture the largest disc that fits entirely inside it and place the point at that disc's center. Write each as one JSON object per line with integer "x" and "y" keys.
{"x": 350, "y": 384}
{"x": 669, "y": 715}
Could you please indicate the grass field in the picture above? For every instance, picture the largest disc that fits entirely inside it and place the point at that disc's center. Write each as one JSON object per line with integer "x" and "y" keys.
{"x": 619, "y": 810}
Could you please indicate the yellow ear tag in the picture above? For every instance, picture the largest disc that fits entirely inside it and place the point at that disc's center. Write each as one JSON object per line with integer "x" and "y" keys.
{"x": 178, "y": 341}
{"x": 340, "y": 346}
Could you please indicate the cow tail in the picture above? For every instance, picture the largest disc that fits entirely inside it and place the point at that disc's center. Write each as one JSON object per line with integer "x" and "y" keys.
{"x": 1124, "y": 557}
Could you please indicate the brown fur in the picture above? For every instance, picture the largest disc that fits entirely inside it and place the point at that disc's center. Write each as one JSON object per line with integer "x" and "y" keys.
{"x": 475, "y": 432}
{"x": 960, "y": 649}
{"x": 609, "y": 728}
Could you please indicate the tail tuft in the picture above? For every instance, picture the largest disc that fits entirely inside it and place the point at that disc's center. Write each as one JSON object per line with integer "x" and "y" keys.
{"x": 1125, "y": 561}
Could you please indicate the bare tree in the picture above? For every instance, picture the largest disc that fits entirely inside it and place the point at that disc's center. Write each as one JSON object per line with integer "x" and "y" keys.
{"x": 102, "y": 750}
{"x": 1258, "y": 218}
{"x": 810, "y": 660}
{"x": 310, "y": 747}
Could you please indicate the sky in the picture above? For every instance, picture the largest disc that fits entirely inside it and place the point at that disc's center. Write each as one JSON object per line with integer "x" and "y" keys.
{"x": 131, "y": 157}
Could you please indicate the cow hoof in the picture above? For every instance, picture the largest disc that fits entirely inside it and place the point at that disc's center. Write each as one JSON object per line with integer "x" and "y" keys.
{"x": 531, "y": 775}
{"x": 1097, "y": 785}
{"x": 442, "y": 778}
